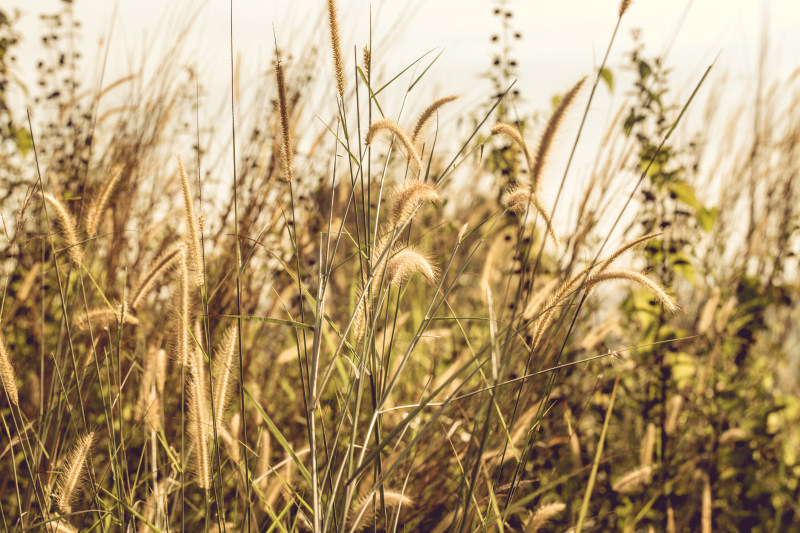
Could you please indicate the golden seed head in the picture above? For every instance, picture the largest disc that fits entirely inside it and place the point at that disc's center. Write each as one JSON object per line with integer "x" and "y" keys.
{"x": 390, "y": 125}
{"x": 406, "y": 263}
{"x": 407, "y": 199}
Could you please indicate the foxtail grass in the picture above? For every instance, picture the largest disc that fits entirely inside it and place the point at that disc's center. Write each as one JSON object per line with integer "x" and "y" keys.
{"x": 69, "y": 230}
{"x": 73, "y": 472}
{"x": 7, "y": 374}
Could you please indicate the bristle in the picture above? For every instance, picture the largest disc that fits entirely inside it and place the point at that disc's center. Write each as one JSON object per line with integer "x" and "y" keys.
{"x": 543, "y": 514}
{"x": 224, "y": 361}
{"x": 407, "y": 262}
{"x": 100, "y": 201}
{"x": 336, "y": 48}
{"x": 550, "y": 133}
{"x": 427, "y": 114}
{"x": 68, "y": 229}
{"x": 192, "y": 238}
{"x": 388, "y": 124}
{"x": 286, "y": 154}
{"x": 72, "y": 473}
{"x": 7, "y": 374}
{"x": 157, "y": 271}
{"x": 408, "y": 198}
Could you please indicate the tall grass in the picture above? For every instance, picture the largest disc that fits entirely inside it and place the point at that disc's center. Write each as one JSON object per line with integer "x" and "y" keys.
{"x": 343, "y": 342}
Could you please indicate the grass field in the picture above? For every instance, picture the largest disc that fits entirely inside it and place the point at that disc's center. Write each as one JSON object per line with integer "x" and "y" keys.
{"x": 351, "y": 334}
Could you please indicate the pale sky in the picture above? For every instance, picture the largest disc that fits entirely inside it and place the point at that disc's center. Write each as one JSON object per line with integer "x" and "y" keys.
{"x": 562, "y": 40}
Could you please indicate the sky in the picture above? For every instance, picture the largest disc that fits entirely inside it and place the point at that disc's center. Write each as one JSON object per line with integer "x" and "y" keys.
{"x": 561, "y": 41}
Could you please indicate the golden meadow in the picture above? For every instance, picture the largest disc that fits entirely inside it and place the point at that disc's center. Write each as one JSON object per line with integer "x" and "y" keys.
{"x": 347, "y": 333}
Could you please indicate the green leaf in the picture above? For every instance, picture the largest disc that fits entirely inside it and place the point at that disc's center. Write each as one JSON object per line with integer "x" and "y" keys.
{"x": 707, "y": 218}
{"x": 644, "y": 70}
{"x": 608, "y": 77}
{"x": 631, "y": 121}
{"x": 23, "y": 139}
{"x": 685, "y": 193}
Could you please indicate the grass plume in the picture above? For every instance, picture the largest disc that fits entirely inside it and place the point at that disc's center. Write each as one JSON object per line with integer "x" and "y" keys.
{"x": 426, "y": 115}
{"x": 192, "y": 237}
{"x": 224, "y": 361}
{"x": 68, "y": 229}
{"x": 100, "y": 201}
{"x": 7, "y": 374}
{"x": 199, "y": 422}
{"x": 283, "y": 108}
{"x": 158, "y": 269}
{"x": 73, "y": 472}
{"x": 336, "y": 48}
{"x": 550, "y": 132}
{"x": 390, "y": 125}
{"x": 407, "y": 199}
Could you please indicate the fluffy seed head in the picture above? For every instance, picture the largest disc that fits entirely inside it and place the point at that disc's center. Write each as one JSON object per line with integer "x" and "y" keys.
{"x": 104, "y": 317}
{"x": 516, "y": 199}
{"x": 633, "y": 480}
{"x": 427, "y": 114}
{"x": 7, "y": 374}
{"x": 224, "y": 384}
{"x": 512, "y": 132}
{"x": 636, "y": 277}
{"x": 361, "y": 516}
{"x": 73, "y": 472}
{"x": 100, "y": 201}
{"x": 543, "y": 514}
{"x": 286, "y": 154}
{"x": 550, "y": 132}
{"x": 367, "y": 61}
{"x": 407, "y": 199}
{"x": 462, "y": 232}
{"x": 68, "y": 231}
{"x": 407, "y": 262}
{"x": 336, "y": 48}
{"x": 390, "y": 125}
{"x": 623, "y": 6}
{"x": 195, "y": 259}
{"x": 199, "y": 421}
{"x": 158, "y": 269}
